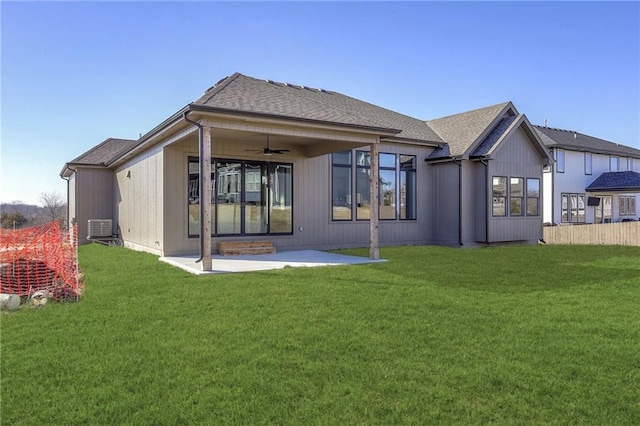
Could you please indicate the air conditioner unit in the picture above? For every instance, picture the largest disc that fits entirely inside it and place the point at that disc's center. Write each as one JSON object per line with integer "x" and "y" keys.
{"x": 100, "y": 228}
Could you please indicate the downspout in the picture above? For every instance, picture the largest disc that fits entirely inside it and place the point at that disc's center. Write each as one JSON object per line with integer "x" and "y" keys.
{"x": 486, "y": 200}
{"x": 458, "y": 161}
{"x": 202, "y": 191}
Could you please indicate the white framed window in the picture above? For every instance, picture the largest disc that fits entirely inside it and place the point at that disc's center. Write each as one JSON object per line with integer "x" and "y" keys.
{"x": 630, "y": 164}
{"x": 588, "y": 169}
{"x": 573, "y": 208}
{"x": 627, "y": 205}
{"x": 613, "y": 164}
{"x": 560, "y": 160}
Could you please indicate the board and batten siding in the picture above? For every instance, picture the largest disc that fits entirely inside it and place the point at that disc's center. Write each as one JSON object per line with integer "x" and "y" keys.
{"x": 443, "y": 181}
{"x": 516, "y": 157}
{"x": 138, "y": 201}
{"x": 93, "y": 197}
{"x": 312, "y": 224}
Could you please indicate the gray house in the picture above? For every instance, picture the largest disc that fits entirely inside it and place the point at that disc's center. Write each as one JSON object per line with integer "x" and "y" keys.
{"x": 292, "y": 164}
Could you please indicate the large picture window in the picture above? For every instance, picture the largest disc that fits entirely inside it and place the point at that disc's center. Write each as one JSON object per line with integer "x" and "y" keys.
{"x": 363, "y": 188}
{"x": 397, "y": 186}
{"x": 388, "y": 191}
{"x": 341, "y": 186}
{"x": 407, "y": 187}
{"x": 247, "y": 197}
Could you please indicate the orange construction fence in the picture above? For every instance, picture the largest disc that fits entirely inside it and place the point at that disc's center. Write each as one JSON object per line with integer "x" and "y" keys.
{"x": 41, "y": 257}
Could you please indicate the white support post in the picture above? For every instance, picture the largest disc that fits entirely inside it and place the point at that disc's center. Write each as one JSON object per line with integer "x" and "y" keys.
{"x": 374, "y": 252}
{"x": 205, "y": 198}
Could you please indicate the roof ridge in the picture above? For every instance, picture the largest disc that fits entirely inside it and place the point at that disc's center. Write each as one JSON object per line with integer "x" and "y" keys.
{"x": 501, "y": 104}
{"x": 221, "y": 84}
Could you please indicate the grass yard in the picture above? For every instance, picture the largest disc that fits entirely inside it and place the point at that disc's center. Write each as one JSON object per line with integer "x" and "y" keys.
{"x": 517, "y": 335}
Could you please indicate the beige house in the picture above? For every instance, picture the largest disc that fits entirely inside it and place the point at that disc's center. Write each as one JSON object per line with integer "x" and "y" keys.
{"x": 292, "y": 164}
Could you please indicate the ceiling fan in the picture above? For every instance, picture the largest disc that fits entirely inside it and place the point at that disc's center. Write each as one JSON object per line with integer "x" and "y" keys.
{"x": 268, "y": 151}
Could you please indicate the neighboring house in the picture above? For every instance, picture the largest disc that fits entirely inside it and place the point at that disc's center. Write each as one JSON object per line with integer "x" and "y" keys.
{"x": 291, "y": 164}
{"x": 593, "y": 180}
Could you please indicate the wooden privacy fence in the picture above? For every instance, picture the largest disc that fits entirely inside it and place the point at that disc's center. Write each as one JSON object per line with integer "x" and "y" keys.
{"x": 623, "y": 233}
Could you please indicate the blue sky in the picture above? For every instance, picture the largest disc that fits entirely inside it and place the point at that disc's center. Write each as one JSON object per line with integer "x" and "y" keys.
{"x": 76, "y": 73}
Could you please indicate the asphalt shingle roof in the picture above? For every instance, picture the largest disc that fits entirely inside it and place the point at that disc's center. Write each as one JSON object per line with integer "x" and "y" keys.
{"x": 569, "y": 139}
{"x": 616, "y": 181}
{"x": 104, "y": 152}
{"x": 493, "y": 137}
{"x": 460, "y": 131}
{"x": 247, "y": 94}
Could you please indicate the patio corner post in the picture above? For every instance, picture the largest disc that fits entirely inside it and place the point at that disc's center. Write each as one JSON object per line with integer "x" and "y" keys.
{"x": 205, "y": 198}
{"x": 374, "y": 251}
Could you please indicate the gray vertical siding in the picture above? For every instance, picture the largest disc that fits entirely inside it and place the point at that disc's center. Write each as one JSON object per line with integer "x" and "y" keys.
{"x": 481, "y": 201}
{"x": 93, "y": 198}
{"x": 516, "y": 157}
{"x": 443, "y": 180}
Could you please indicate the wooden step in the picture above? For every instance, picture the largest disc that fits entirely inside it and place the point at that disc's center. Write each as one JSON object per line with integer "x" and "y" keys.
{"x": 234, "y": 248}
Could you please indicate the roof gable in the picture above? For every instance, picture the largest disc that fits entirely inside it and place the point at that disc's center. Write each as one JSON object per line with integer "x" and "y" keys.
{"x": 577, "y": 141}
{"x": 240, "y": 93}
{"x": 101, "y": 154}
{"x": 505, "y": 127}
{"x": 616, "y": 181}
{"x": 104, "y": 152}
{"x": 463, "y": 132}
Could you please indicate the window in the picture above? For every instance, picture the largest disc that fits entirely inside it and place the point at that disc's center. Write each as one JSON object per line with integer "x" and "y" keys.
{"x": 247, "y": 197}
{"x": 397, "y": 198}
{"x": 560, "y": 160}
{"x": 588, "y": 169}
{"x": 499, "y": 196}
{"x": 516, "y": 194}
{"x": 613, "y": 164}
{"x": 341, "y": 186}
{"x": 627, "y": 205}
{"x": 407, "y": 187}
{"x": 630, "y": 164}
{"x": 363, "y": 198}
{"x": 533, "y": 197}
{"x": 573, "y": 208}
{"x": 387, "y": 198}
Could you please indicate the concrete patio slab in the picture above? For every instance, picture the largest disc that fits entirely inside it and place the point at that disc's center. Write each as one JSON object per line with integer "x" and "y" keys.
{"x": 264, "y": 262}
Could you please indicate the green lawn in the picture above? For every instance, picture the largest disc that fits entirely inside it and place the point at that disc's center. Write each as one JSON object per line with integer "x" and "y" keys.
{"x": 518, "y": 335}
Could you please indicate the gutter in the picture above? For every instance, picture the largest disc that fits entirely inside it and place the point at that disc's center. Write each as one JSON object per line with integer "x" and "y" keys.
{"x": 458, "y": 161}
{"x": 486, "y": 200}
{"x": 200, "y": 174}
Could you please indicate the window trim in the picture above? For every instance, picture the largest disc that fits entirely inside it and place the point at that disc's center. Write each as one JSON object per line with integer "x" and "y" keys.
{"x": 617, "y": 160}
